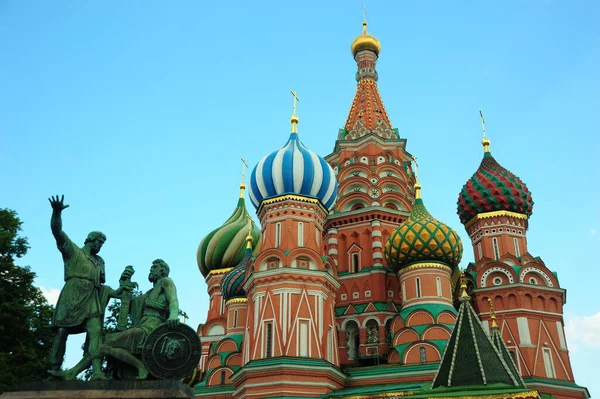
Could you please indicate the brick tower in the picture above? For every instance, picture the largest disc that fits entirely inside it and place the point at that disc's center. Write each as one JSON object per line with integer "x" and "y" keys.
{"x": 495, "y": 206}
{"x": 375, "y": 195}
{"x": 291, "y": 286}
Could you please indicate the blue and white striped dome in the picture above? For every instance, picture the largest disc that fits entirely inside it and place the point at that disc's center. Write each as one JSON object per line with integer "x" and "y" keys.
{"x": 293, "y": 169}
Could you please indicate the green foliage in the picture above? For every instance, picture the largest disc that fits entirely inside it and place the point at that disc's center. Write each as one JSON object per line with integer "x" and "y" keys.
{"x": 25, "y": 315}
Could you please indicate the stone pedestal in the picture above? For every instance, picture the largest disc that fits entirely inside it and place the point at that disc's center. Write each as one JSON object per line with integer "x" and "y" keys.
{"x": 133, "y": 389}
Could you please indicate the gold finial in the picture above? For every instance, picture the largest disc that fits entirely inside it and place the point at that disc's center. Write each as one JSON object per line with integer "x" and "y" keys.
{"x": 242, "y": 184}
{"x": 485, "y": 142}
{"x": 492, "y": 313}
{"x": 417, "y": 185}
{"x": 294, "y": 119}
{"x": 249, "y": 236}
{"x": 463, "y": 288}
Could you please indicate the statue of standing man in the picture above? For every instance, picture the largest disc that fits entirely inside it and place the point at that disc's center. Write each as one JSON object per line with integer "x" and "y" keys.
{"x": 80, "y": 306}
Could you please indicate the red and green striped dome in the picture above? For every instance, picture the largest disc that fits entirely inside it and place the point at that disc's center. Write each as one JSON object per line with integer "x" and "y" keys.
{"x": 493, "y": 188}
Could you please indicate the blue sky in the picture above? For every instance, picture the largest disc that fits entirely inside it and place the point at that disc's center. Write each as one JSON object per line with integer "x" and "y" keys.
{"x": 139, "y": 111}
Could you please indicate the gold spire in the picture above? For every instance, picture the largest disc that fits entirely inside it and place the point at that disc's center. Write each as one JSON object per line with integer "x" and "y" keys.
{"x": 249, "y": 236}
{"x": 365, "y": 41}
{"x": 242, "y": 184}
{"x": 492, "y": 313}
{"x": 294, "y": 119}
{"x": 417, "y": 186}
{"x": 463, "y": 288}
{"x": 485, "y": 142}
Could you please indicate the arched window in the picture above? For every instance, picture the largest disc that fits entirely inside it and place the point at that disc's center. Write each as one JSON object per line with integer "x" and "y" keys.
{"x": 496, "y": 249}
{"x": 356, "y": 207}
{"x": 355, "y": 262}
{"x": 277, "y": 235}
{"x": 418, "y": 287}
{"x": 422, "y": 355}
{"x": 300, "y": 234}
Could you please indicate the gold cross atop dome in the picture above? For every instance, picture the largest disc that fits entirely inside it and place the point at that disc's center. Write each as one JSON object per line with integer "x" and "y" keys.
{"x": 243, "y": 184}
{"x": 294, "y": 119}
{"x": 417, "y": 185}
{"x": 485, "y": 142}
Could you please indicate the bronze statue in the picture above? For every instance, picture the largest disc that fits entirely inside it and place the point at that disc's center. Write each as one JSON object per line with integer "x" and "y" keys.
{"x": 80, "y": 306}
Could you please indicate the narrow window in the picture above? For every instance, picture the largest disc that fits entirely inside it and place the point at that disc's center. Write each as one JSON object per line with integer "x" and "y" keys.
{"x": 517, "y": 250}
{"x": 355, "y": 260}
{"x": 277, "y": 235}
{"x": 235, "y": 316}
{"x": 330, "y": 345}
{"x": 523, "y": 327}
{"x": 479, "y": 251}
{"x": 496, "y": 250}
{"x": 403, "y": 291}
{"x": 300, "y": 234}
{"x": 422, "y": 355}
{"x": 303, "y": 347}
{"x": 269, "y": 340}
{"x": 548, "y": 363}
{"x": 418, "y": 287}
{"x": 222, "y": 305}
{"x": 223, "y": 377}
{"x": 438, "y": 283}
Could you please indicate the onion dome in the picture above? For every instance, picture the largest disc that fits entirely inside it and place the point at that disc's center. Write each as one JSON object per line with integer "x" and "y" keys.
{"x": 493, "y": 188}
{"x": 365, "y": 41}
{"x": 224, "y": 247}
{"x": 293, "y": 170}
{"x": 422, "y": 238}
{"x": 232, "y": 285}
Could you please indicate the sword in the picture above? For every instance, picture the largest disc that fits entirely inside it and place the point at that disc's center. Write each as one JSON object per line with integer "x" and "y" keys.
{"x": 125, "y": 299}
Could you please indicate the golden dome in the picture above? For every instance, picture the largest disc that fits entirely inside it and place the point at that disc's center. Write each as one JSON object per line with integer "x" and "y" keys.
{"x": 364, "y": 41}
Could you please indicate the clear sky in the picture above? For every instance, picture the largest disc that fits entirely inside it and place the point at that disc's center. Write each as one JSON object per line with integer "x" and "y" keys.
{"x": 139, "y": 111}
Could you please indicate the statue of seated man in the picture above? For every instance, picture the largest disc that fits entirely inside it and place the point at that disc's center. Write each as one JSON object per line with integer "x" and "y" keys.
{"x": 148, "y": 311}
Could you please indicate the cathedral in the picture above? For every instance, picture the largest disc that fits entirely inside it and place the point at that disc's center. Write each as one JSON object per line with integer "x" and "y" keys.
{"x": 350, "y": 288}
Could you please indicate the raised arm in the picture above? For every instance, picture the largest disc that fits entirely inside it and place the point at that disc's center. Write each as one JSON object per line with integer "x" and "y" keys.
{"x": 56, "y": 220}
{"x": 171, "y": 294}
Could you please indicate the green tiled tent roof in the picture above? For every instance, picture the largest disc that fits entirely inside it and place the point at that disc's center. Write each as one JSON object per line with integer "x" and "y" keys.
{"x": 503, "y": 350}
{"x": 470, "y": 357}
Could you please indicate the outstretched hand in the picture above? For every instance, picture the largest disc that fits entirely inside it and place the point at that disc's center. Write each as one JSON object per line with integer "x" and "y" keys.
{"x": 57, "y": 203}
{"x": 172, "y": 323}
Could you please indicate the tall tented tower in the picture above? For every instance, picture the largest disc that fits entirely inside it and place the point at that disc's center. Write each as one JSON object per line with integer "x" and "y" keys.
{"x": 375, "y": 195}
{"x": 495, "y": 206}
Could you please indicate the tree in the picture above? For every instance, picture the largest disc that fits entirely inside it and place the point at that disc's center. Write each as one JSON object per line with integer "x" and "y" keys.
{"x": 25, "y": 315}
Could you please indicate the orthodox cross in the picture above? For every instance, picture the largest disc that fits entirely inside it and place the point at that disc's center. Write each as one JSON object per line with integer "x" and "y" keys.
{"x": 364, "y": 13}
{"x": 296, "y": 99}
{"x": 244, "y": 166}
{"x": 482, "y": 123}
{"x": 416, "y": 168}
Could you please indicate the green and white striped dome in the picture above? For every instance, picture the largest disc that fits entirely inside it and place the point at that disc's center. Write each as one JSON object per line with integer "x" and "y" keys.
{"x": 224, "y": 247}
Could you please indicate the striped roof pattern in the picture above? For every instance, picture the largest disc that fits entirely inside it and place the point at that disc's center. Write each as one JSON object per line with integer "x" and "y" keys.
{"x": 493, "y": 188}
{"x": 232, "y": 284}
{"x": 224, "y": 246}
{"x": 293, "y": 169}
